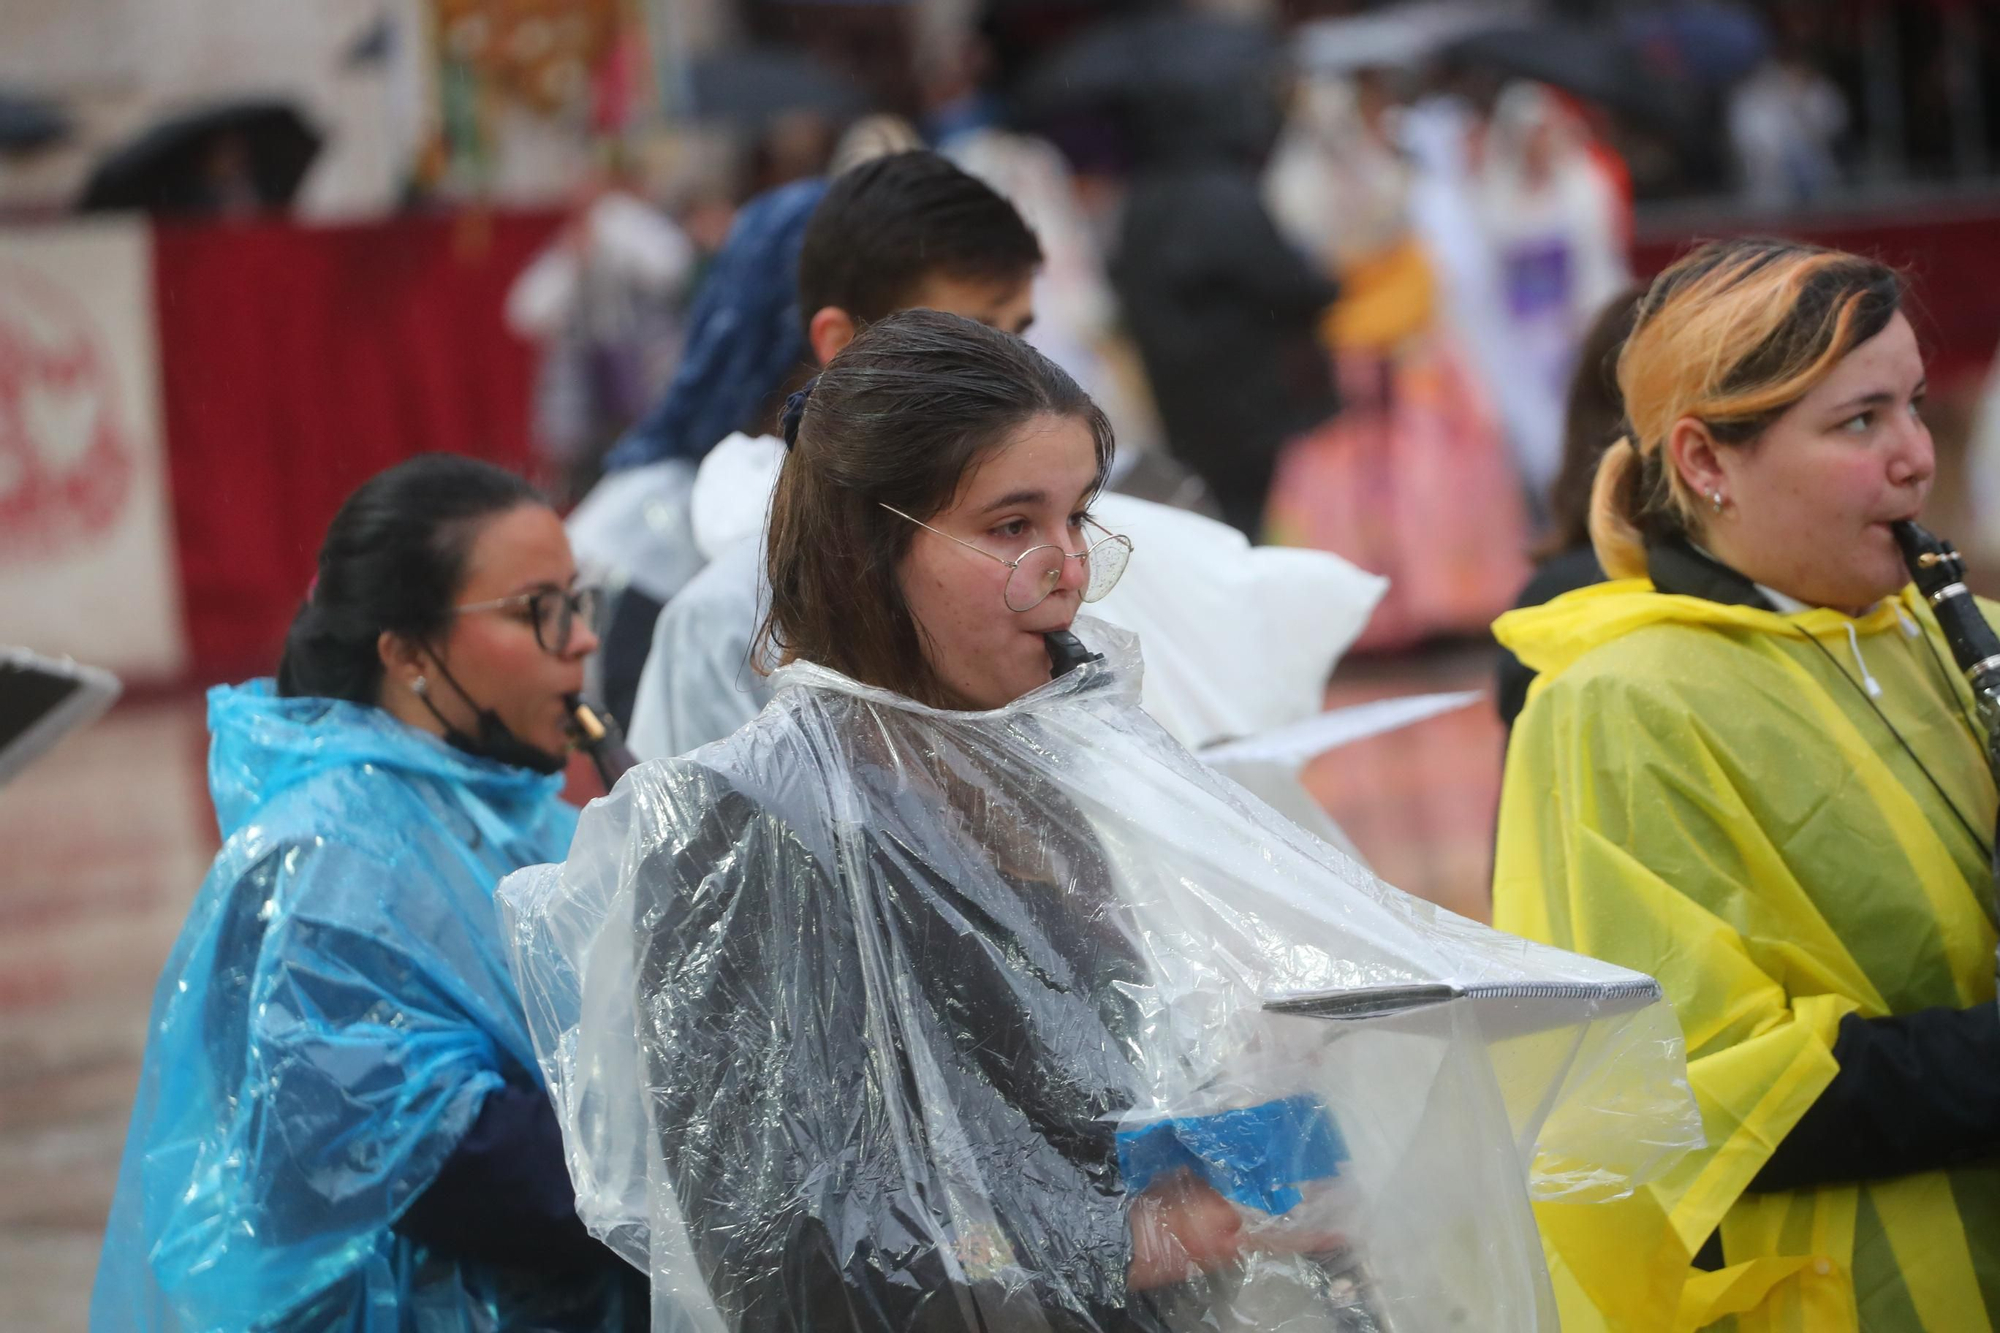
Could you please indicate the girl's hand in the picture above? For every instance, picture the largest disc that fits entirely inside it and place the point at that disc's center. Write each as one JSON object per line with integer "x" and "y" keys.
{"x": 1182, "y": 1228}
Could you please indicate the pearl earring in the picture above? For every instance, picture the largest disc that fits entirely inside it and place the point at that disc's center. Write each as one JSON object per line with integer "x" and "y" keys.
{"x": 419, "y": 686}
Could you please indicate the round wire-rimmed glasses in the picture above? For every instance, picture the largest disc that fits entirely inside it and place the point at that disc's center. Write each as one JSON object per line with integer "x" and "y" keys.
{"x": 1034, "y": 574}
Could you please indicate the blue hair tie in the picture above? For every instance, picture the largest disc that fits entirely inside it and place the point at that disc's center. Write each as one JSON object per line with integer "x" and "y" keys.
{"x": 795, "y": 412}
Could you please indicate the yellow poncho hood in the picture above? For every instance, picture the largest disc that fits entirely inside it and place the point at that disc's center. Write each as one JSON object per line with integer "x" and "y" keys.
{"x": 1550, "y": 638}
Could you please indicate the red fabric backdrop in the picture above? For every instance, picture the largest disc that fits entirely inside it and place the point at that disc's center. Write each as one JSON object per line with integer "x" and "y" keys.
{"x": 295, "y": 362}
{"x": 1951, "y": 258}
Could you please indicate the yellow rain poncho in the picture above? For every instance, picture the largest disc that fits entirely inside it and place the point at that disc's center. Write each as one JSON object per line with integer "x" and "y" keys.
{"x": 1693, "y": 792}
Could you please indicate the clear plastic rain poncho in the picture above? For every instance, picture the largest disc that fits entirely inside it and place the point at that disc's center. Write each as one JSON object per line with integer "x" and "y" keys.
{"x": 879, "y": 1017}
{"x": 330, "y": 1021}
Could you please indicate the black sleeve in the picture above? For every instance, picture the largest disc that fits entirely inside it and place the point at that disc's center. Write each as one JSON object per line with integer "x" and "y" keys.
{"x": 954, "y": 946}
{"x": 1512, "y": 696}
{"x": 1915, "y": 1092}
{"x": 504, "y": 1195}
{"x": 1559, "y": 574}
{"x": 628, "y": 639}
{"x": 1271, "y": 271}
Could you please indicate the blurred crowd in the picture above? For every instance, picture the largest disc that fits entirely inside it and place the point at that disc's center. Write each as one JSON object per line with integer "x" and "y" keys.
{"x": 1316, "y": 259}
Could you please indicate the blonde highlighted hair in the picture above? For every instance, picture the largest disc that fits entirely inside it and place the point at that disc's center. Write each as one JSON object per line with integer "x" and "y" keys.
{"x": 1732, "y": 335}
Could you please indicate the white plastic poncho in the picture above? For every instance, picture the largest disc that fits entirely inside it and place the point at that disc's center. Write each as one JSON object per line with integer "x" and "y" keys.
{"x": 636, "y": 528}
{"x": 877, "y": 1017}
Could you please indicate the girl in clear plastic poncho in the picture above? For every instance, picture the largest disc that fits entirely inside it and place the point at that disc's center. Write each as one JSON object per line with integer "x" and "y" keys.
{"x": 340, "y": 1124}
{"x": 1748, "y": 767}
{"x": 951, "y": 995}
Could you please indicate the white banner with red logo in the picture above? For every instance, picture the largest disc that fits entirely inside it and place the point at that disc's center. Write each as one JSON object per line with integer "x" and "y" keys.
{"x": 87, "y": 565}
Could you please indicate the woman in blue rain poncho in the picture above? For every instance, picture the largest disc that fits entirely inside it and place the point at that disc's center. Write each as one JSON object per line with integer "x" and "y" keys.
{"x": 339, "y": 1122}
{"x": 951, "y": 994}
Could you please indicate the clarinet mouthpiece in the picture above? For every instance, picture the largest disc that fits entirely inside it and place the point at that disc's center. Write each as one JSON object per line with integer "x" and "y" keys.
{"x": 1932, "y": 561}
{"x": 1915, "y": 541}
{"x": 598, "y": 735}
{"x": 1067, "y": 653}
{"x": 587, "y": 722}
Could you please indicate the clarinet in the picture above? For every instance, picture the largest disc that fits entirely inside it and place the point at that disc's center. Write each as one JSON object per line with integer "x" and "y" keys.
{"x": 1939, "y": 573}
{"x": 1067, "y": 653}
{"x": 597, "y": 735}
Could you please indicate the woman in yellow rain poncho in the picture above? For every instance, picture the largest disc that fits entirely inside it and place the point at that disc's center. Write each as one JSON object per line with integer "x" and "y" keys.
{"x": 1748, "y": 769}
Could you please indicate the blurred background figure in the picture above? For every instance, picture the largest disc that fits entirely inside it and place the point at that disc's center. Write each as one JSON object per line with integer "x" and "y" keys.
{"x": 1594, "y": 418}
{"x": 1412, "y": 479}
{"x": 1785, "y": 121}
{"x": 604, "y": 305}
{"x": 1222, "y": 309}
{"x": 1076, "y": 313}
{"x": 1558, "y": 222}
{"x": 970, "y": 119}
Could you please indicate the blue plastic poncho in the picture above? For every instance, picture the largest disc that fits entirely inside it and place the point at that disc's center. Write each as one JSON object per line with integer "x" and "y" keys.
{"x": 330, "y": 1020}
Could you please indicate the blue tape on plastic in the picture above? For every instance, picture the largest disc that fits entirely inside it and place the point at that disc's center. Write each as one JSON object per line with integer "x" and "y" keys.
{"x": 1255, "y": 1156}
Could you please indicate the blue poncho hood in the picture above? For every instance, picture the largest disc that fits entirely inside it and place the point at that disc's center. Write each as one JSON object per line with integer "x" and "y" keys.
{"x": 744, "y": 333}
{"x": 335, "y": 1011}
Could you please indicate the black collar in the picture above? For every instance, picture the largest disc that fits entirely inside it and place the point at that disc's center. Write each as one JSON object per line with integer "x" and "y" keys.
{"x": 1676, "y": 567}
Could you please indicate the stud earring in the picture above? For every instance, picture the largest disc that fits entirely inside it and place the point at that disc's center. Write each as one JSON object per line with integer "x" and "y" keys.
{"x": 1715, "y": 498}
{"x": 419, "y": 686}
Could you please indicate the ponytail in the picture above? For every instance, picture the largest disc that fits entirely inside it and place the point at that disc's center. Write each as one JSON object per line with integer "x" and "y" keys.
{"x": 1615, "y": 503}
{"x": 327, "y": 659}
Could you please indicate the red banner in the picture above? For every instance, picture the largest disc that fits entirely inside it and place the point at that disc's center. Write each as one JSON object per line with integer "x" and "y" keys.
{"x": 296, "y": 362}
{"x": 1948, "y": 257}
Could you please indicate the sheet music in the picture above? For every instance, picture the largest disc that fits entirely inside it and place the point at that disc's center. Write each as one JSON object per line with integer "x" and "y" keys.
{"x": 1302, "y": 741}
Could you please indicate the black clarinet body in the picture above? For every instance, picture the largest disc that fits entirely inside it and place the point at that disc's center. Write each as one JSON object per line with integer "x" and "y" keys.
{"x": 1939, "y": 573}
{"x": 597, "y": 734}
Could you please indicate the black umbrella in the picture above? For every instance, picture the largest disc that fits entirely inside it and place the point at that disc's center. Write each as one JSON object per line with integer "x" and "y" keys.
{"x": 188, "y": 164}
{"x": 1593, "y": 64}
{"x": 753, "y": 85}
{"x": 27, "y": 122}
{"x": 1153, "y": 59}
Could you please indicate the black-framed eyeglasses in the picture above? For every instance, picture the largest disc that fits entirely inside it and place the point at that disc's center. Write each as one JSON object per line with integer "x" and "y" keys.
{"x": 1034, "y": 574}
{"x": 554, "y": 612}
